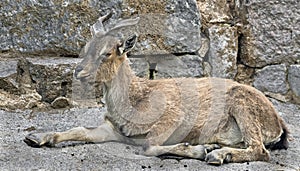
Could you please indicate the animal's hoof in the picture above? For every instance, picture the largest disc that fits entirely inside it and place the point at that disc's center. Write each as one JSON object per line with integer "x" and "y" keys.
{"x": 218, "y": 157}
{"x": 211, "y": 159}
{"x": 38, "y": 140}
{"x": 32, "y": 140}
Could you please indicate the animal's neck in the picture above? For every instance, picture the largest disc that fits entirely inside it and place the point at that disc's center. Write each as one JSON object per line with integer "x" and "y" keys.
{"x": 117, "y": 90}
{"x": 117, "y": 94}
{"x": 120, "y": 110}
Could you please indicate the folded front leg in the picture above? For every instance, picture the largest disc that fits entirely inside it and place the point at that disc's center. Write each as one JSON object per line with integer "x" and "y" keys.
{"x": 227, "y": 154}
{"x": 182, "y": 149}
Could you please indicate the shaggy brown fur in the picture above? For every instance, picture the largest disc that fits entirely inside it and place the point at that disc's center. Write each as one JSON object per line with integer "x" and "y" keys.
{"x": 212, "y": 119}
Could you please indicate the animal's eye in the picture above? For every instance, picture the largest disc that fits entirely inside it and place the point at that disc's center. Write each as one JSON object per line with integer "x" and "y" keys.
{"x": 108, "y": 54}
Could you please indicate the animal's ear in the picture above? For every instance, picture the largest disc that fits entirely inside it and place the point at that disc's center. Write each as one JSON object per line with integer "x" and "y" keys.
{"x": 128, "y": 44}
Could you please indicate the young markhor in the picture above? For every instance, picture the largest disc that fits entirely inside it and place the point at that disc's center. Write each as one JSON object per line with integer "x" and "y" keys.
{"x": 212, "y": 119}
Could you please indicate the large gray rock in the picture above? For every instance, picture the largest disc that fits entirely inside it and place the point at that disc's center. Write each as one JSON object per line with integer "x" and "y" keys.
{"x": 62, "y": 27}
{"x": 170, "y": 66}
{"x": 271, "y": 79}
{"x": 218, "y": 25}
{"x": 167, "y": 66}
{"x": 273, "y": 32}
{"x": 170, "y": 26}
{"x": 8, "y": 68}
{"x": 294, "y": 79}
{"x": 16, "y": 90}
{"x": 52, "y": 77}
{"x": 223, "y": 50}
{"x": 140, "y": 66}
{"x": 8, "y": 72}
{"x": 213, "y": 12}
{"x": 204, "y": 49}
{"x": 27, "y": 83}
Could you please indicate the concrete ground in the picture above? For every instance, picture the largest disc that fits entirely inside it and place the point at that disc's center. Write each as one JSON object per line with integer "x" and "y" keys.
{"x": 16, "y": 155}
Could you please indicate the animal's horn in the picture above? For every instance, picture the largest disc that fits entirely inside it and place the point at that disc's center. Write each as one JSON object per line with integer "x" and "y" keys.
{"x": 105, "y": 17}
{"x": 98, "y": 28}
{"x": 126, "y": 22}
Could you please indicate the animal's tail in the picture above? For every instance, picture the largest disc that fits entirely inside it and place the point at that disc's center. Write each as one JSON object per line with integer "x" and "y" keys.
{"x": 283, "y": 143}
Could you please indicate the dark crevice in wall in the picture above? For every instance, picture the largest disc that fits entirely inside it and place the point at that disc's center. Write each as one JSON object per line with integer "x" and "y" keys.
{"x": 152, "y": 74}
{"x": 64, "y": 88}
{"x": 184, "y": 53}
{"x": 152, "y": 71}
{"x": 239, "y": 53}
{"x": 70, "y": 55}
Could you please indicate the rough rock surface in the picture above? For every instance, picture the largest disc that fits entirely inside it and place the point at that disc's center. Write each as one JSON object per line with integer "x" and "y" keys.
{"x": 274, "y": 31}
{"x": 29, "y": 100}
{"x": 214, "y": 12}
{"x": 271, "y": 79}
{"x": 140, "y": 66}
{"x": 223, "y": 51}
{"x": 244, "y": 74}
{"x": 16, "y": 155}
{"x": 60, "y": 102}
{"x": 52, "y": 77}
{"x": 235, "y": 39}
{"x": 170, "y": 66}
{"x": 294, "y": 78}
{"x": 8, "y": 72}
{"x": 62, "y": 27}
{"x": 267, "y": 34}
{"x": 167, "y": 66}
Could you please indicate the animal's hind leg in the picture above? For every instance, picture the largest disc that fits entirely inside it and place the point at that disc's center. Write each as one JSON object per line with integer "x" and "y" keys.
{"x": 99, "y": 134}
{"x": 227, "y": 154}
{"x": 182, "y": 149}
{"x": 252, "y": 137}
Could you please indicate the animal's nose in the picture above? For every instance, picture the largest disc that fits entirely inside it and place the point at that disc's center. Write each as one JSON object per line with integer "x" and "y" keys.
{"x": 77, "y": 70}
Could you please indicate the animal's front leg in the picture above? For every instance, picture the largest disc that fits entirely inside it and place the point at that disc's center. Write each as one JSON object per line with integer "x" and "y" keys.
{"x": 182, "y": 149}
{"x": 99, "y": 134}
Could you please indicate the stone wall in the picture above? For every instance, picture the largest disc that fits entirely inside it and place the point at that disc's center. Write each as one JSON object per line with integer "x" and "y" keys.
{"x": 255, "y": 43}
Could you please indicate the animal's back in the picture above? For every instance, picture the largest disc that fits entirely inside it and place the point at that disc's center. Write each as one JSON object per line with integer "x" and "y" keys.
{"x": 204, "y": 110}
{"x": 194, "y": 108}
{"x": 209, "y": 108}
